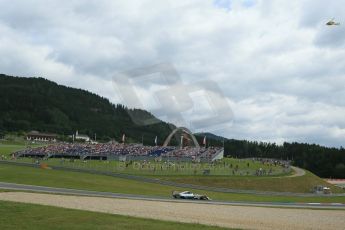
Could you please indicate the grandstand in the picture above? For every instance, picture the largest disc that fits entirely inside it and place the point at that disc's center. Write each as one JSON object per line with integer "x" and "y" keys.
{"x": 110, "y": 151}
{"x": 116, "y": 151}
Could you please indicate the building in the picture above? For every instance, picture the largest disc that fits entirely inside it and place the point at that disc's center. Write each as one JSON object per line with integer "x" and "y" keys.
{"x": 81, "y": 137}
{"x": 37, "y": 136}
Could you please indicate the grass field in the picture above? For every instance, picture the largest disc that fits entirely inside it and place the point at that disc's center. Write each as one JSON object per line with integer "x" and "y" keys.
{"x": 8, "y": 147}
{"x": 298, "y": 184}
{"x": 226, "y": 167}
{"x": 28, "y": 216}
{"x": 64, "y": 179}
{"x": 86, "y": 181}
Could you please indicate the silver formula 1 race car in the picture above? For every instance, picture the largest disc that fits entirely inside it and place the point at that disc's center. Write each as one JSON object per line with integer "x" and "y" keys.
{"x": 189, "y": 195}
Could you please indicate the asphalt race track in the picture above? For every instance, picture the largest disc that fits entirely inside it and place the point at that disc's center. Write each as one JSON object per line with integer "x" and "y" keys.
{"x": 65, "y": 191}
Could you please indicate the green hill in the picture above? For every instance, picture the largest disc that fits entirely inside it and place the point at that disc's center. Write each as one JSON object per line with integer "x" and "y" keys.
{"x": 38, "y": 104}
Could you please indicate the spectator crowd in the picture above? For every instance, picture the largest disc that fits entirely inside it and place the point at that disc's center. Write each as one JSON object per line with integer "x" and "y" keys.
{"x": 79, "y": 150}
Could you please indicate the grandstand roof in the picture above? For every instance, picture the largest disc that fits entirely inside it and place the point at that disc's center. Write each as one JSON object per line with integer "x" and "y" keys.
{"x": 38, "y": 134}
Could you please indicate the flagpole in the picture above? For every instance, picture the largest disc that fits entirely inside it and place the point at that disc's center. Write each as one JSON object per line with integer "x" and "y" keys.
{"x": 123, "y": 139}
{"x": 181, "y": 141}
{"x": 204, "y": 142}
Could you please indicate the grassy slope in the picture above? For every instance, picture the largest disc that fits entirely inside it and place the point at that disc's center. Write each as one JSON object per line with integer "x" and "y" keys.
{"x": 179, "y": 169}
{"x": 264, "y": 183}
{"x": 6, "y": 149}
{"x": 64, "y": 179}
{"x": 54, "y": 178}
{"x": 280, "y": 184}
{"x": 225, "y": 168}
{"x": 161, "y": 168}
{"x": 45, "y": 217}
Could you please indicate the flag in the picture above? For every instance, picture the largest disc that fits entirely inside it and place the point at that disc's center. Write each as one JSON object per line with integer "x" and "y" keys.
{"x": 204, "y": 141}
{"x": 156, "y": 140}
{"x": 123, "y": 138}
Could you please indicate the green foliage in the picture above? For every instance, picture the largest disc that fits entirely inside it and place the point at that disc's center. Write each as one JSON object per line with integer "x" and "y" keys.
{"x": 38, "y": 104}
{"x": 323, "y": 161}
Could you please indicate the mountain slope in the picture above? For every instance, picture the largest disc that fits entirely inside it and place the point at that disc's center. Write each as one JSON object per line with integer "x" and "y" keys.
{"x": 38, "y": 104}
{"x": 210, "y": 136}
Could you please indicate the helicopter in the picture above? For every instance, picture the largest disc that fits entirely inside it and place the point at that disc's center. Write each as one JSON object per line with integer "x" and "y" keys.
{"x": 332, "y": 23}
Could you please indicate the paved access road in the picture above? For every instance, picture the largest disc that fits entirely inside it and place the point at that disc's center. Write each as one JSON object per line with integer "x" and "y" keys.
{"x": 65, "y": 191}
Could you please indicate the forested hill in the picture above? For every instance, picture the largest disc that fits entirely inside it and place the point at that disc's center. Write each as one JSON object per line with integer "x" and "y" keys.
{"x": 38, "y": 104}
{"x": 323, "y": 161}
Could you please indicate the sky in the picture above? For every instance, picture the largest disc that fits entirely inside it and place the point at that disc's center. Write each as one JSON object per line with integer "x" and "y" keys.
{"x": 248, "y": 69}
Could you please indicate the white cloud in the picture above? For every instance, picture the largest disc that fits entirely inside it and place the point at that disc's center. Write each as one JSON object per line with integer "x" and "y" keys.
{"x": 279, "y": 66}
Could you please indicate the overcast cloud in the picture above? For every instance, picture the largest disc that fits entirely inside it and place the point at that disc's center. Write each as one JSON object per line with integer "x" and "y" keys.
{"x": 276, "y": 64}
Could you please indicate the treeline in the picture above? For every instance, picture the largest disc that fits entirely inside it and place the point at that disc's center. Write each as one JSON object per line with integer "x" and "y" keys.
{"x": 323, "y": 161}
{"x": 38, "y": 104}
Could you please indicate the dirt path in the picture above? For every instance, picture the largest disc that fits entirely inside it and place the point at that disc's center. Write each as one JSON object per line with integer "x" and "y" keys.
{"x": 221, "y": 215}
{"x": 298, "y": 172}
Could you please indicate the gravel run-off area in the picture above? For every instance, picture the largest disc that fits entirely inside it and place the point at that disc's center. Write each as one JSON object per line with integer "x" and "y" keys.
{"x": 243, "y": 217}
